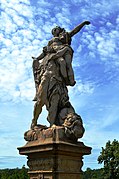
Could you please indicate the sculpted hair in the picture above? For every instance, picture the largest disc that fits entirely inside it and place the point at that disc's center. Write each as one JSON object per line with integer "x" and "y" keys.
{"x": 57, "y": 27}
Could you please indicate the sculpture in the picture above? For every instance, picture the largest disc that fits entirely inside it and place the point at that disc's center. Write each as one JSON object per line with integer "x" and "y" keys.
{"x": 53, "y": 72}
{"x": 55, "y": 152}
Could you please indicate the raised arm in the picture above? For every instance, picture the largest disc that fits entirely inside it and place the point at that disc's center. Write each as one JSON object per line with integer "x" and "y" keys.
{"x": 78, "y": 28}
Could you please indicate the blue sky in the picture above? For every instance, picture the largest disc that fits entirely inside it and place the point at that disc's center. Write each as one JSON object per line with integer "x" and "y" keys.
{"x": 25, "y": 28}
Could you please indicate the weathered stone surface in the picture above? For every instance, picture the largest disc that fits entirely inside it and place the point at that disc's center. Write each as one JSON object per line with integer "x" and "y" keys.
{"x": 71, "y": 129}
{"x": 53, "y": 72}
{"x": 54, "y": 157}
{"x": 54, "y": 153}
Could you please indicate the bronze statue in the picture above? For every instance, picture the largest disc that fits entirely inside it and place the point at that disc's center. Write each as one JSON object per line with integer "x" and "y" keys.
{"x": 53, "y": 72}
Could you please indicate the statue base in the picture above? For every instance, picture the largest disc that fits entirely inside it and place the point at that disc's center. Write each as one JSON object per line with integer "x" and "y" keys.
{"x": 53, "y": 156}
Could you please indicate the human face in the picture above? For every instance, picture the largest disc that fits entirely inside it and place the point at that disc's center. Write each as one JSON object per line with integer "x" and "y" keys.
{"x": 56, "y": 32}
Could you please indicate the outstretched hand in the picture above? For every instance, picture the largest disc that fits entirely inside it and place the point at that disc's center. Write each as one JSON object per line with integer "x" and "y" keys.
{"x": 87, "y": 22}
{"x": 33, "y": 58}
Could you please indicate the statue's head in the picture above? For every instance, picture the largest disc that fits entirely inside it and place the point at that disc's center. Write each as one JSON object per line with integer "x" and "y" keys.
{"x": 57, "y": 30}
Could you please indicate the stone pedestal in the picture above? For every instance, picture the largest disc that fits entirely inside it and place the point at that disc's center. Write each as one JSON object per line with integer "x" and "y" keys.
{"x": 53, "y": 156}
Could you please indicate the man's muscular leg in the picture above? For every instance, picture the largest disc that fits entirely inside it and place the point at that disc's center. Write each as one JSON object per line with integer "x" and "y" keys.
{"x": 53, "y": 109}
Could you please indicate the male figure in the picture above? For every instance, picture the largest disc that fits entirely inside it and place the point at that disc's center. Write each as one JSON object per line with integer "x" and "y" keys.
{"x": 52, "y": 78}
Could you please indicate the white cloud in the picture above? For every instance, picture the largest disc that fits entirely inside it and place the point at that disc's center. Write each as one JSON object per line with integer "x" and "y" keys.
{"x": 86, "y": 88}
{"x": 27, "y": 29}
{"x": 16, "y": 51}
{"x": 103, "y": 43}
{"x": 19, "y": 6}
{"x": 103, "y": 9}
{"x": 27, "y": 37}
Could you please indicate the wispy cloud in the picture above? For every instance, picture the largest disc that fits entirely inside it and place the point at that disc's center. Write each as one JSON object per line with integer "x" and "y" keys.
{"x": 25, "y": 27}
{"x": 10, "y": 161}
{"x": 16, "y": 50}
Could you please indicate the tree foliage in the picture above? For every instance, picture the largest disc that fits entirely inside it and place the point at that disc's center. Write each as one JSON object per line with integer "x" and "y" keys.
{"x": 14, "y": 173}
{"x": 110, "y": 157}
{"x": 93, "y": 174}
{"x": 22, "y": 173}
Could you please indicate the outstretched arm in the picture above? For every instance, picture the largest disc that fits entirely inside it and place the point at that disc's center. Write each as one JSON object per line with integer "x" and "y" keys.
{"x": 78, "y": 28}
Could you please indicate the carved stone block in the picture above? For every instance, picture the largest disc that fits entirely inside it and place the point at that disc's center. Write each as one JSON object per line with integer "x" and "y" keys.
{"x": 54, "y": 158}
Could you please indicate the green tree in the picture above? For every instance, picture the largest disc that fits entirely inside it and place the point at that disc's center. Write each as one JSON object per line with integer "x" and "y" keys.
{"x": 4, "y": 174}
{"x": 110, "y": 157}
{"x": 14, "y": 173}
{"x": 93, "y": 174}
{"x": 88, "y": 173}
{"x": 23, "y": 173}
